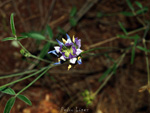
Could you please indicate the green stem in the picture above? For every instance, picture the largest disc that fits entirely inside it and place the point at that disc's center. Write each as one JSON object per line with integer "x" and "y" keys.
{"x": 51, "y": 41}
{"x": 147, "y": 62}
{"x": 33, "y": 81}
{"x": 137, "y": 30}
{"x": 33, "y": 56}
{"x": 146, "y": 53}
{"x": 99, "y": 48}
{"x": 23, "y": 47}
{"x": 23, "y": 78}
{"x": 17, "y": 74}
{"x": 109, "y": 76}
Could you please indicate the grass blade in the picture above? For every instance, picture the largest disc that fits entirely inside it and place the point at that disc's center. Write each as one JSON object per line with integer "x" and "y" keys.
{"x": 73, "y": 11}
{"x": 50, "y": 32}
{"x": 123, "y": 29}
{"x": 130, "y": 5}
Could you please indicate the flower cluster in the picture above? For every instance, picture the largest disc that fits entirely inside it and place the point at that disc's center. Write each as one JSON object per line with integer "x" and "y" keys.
{"x": 68, "y": 50}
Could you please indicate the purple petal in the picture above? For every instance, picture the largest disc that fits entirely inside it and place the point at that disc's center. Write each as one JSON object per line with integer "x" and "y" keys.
{"x": 53, "y": 52}
{"x": 69, "y": 44}
{"x": 63, "y": 54}
{"x": 60, "y": 49}
{"x": 78, "y": 42}
{"x": 71, "y": 56}
{"x": 74, "y": 50}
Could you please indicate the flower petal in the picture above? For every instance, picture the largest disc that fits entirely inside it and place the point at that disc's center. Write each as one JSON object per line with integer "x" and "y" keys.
{"x": 53, "y": 52}
{"x": 57, "y": 63}
{"x": 79, "y": 61}
{"x": 62, "y": 58}
{"x": 57, "y": 48}
{"x": 73, "y": 39}
{"x": 68, "y": 37}
{"x": 59, "y": 42}
{"x": 78, "y": 42}
{"x": 63, "y": 54}
{"x": 69, "y": 67}
{"x": 64, "y": 41}
{"x": 71, "y": 56}
{"x": 73, "y": 60}
{"x": 74, "y": 49}
{"x": 78, "y": 51}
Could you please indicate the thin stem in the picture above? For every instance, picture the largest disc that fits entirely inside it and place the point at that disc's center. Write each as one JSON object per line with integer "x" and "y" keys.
{"x": 23, "y": 78}
{"x": 114, "y": 38}
{"x": 17, "y": 74}
{"x": 33, "y": 81}
{"x": 100, "y": 48}
{"x": 51, "y": 41}
{"x": 146, "y": 54}
{"x": 23, "y": 47}
{"x": 109, "y": 76}
{"x": 33, "y": 56}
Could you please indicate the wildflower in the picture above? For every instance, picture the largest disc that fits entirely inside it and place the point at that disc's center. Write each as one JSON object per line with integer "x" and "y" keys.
{"x": 68, "y": 50}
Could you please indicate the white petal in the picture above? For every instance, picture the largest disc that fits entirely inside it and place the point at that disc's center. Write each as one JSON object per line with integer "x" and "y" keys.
{"x": 57, "y": 48}
{"x": 73, "y": 60}
{"x": 68, "y": 41}
{"x": 62, "y": 58}
{"x": 78, "y": 51}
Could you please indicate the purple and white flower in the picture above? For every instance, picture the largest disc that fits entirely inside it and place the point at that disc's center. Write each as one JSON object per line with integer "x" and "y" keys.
{"x": 68, "y": 50}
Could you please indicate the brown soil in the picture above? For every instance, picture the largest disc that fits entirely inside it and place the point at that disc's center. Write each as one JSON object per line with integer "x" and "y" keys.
{"x": 120, "y": 94}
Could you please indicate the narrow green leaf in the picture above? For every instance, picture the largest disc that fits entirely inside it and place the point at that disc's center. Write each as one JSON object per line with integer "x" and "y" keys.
{"x": 99, "y": 14}
{"x": 73, "y": 11}
{"x": 24, "y": 99}
{"x": 135, "y": 42}
{"x": 110, "y": 58}
{"x": 62, "y": 31}
{"x": 34, "y": 35}
{"x": 143, "y": 49}
{"x": 22, "y": 37}
{"x": 122, "y": 27}
{"x": 139, "y": 4}
{"x": 12, "y": 24}
{"x": 8, "y": 91}
{"x": 122, "y": 36}
{"x": 45, "y": 50}
{"x": 114, "y": 68}
{"x": 108, "y": 71}
{"x": 103, "y": 76}
{"x": 8, "y": 38}
{"x": 135, "y": 37}
{"x": 50, "y": 32}
{"x": 73, "y": 21}
{"x": 9, "y": 105}
{"x": 141, "y": 11}
{"x": 125, "y": 13}
{"x": 130, "y": 5}
{"x": 132, "y": 54}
